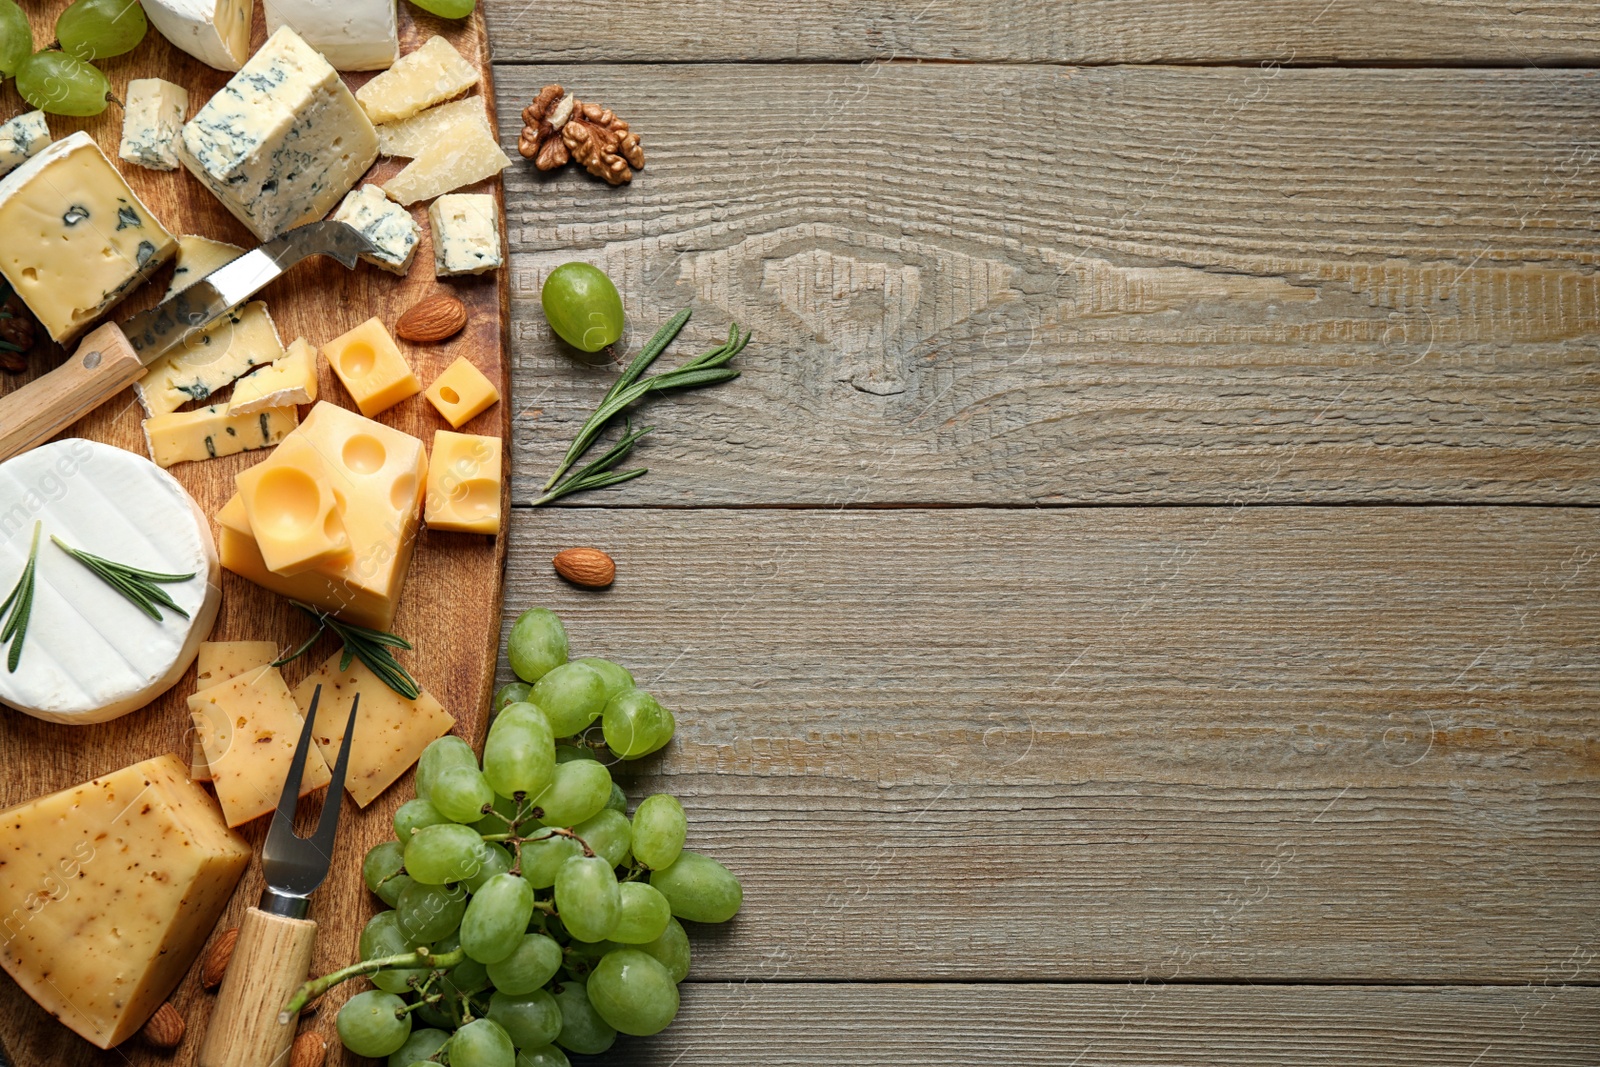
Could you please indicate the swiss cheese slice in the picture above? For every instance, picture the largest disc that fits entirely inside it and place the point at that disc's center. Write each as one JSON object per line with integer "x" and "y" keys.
{"x": 89, "y": 654}
{"x": 249, "y": 726}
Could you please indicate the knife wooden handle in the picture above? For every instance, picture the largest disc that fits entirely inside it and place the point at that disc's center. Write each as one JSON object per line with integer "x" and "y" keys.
{"x": 269, "y": 962}
{"x": 104, "y": 365}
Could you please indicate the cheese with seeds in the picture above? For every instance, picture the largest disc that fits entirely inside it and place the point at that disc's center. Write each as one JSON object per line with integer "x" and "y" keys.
{"x": 430, "y": 75}
{"x": 386, "y": 224}
{"x": 152, "y": 119}
{"x": 228, "y": 349}
{"x": 222, "y": 661}
{"x": 21, "y": 138}
{"x": 249, "y": 726}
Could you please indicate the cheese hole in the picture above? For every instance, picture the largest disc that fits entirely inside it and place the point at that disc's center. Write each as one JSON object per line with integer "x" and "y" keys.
{"x": 357, "y": 360}
{"x": 364, "y": 453}
{"x": 449, "y": 395}
{"x": 331, "y": 526}
{"x": 403, "y": 494}
{"x": 287, "y": 500}
{"x": 30, "y": 274}
{"x": 478, "y": 496}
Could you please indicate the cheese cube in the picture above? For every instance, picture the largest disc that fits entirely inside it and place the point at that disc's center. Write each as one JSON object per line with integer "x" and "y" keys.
{"x": 152, "y": 120}
{"x": 464, "y": 483}
{"x": 408, "y": 137}
{"x": 466, "y": 234}
{"x": 386, "y": 224}
{"x": 21, "y": 138}
{"x": 371, "y": 367}
{"x": 73, "y": 238}
{"x": 249, "y": 726}
{"x": 292, "y": 508}
{"x": 292, "y": 380}
{"x": 207, "y": 433}
{"x": 433, "y": 73}
{"x": 391, "y": 731}
{"x": 282, "y": 141}
{"x": 470, "y": 154}
{"x": 220, "y": 661}
{"x": 216, "y": 32}
{"x": 350, "y": 34}
{"x": 239, "y": 554}
{"x": 462, "y": 393}
{"x": 110, "y": 890}
{"x": 198, "y": 257}
{"x": 234, "y": 345}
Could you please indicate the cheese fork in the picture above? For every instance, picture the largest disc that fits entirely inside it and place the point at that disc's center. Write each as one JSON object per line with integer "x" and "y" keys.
{"x": 113, "y": 357}
{"x": 273, "y": 954}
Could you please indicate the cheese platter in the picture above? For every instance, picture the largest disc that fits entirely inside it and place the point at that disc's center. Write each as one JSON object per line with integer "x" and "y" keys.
{"x": 234, "y": 122}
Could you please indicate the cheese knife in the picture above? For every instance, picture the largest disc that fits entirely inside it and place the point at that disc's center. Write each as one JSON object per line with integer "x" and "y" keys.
{"x": 272, "y": 957}
{"x": 112, "y": 357}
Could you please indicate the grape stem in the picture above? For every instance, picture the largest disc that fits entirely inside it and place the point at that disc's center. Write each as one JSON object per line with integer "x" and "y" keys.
{"x": 317, "y": 986}
{"x": 552, "y": 831}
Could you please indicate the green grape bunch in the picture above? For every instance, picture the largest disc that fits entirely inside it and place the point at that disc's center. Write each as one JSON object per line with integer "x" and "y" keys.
{"x": 528, "y": 916}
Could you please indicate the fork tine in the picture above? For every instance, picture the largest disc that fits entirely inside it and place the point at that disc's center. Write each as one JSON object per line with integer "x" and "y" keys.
{"x": 281, "y": 833}
{"x": 328, "y": 821}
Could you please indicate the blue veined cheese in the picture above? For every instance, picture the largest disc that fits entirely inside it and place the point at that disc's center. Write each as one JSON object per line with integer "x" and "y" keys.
{"x": 233, "y": 346}
{"x": 282, "y": 141}
{"x": 152, "y": 119}
{"x": 386, "y": 224}
{"x": 74, "y": 239}
{"x": 466, "y": 234}
{"x": 20, "y": 139}
{"x": 350, "y": 34}
{"x": 216, "y": 32}
{"x": 198, "y": 257}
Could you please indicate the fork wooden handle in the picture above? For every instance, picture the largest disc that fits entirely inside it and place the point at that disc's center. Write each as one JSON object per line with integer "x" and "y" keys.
{"x": 104, "y": 365}
{"x": 270, "y": 961}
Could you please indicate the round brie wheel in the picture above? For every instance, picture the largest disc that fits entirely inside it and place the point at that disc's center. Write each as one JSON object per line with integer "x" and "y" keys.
{"x": 90, "y": 654}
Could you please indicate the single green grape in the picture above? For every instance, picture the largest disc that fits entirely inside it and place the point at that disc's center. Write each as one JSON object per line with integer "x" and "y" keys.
{"x": 587, "y": 898}
{"x": 447, "y": 9}
{"x": 572, "y": 696}
{"x": 636, "y": 725}
{"x": 568, "y": 753}
{"x": 413, "y": 815}
{"x": 532, "y": 1019}
{"x": 382, "y": 936}
{"x": 530, "y": 965}
{"x": 633, "y": 992}
{"x": 382, "y": 865}
{"x": 543, "y": 858}
{"x": 445, "y": 853}
{"x": 582, "y": 1029}
{"x": 497, "y": 859}
{"x": 699, "y": 888}
{"x": 482, "y": 1043}
{"x": 659, "y": 828}
{"x": 577, "y": 790}
{"x": 618, "y": 801}
{"x": 496, "y": 917}
{"x": 373, "y": 1023}
{"x": 519, "y": 755}
{"x": 420, "y": 1046}
{"x": 616, "y": 675}
{"x": 607, "y": 832}
{"x": 62, "y": 85}
{"x": 671, "y": 950}
{"x": 537, "y": 644}
{"x": 510, "y": 693}
{"x": 427, "y": 913}
{"x": 543, "y": 1056}
{"x": 448, "y": 751}
{"x": 642, "y": 914}
{"x": 16, "y": 38}
{"x": 99, "y": 29}
{"x": 582, "y": 306}
{"x": 461, "y": 794}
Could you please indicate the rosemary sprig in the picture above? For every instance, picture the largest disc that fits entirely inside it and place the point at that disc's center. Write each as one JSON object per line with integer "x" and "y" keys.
{"x": 20, "y": 605}
{"x": 370, "y": 646}
{"x": 139, "y": 587}
{"x": 599, "y": 474}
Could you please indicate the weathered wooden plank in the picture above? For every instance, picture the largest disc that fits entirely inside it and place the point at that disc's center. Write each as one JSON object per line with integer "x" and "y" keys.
{"x": 1084, "y": 31}
{"x": 1321, "y": 744}
{"x": 1549, "y": 1022}
{"x": 1025, "y": 285}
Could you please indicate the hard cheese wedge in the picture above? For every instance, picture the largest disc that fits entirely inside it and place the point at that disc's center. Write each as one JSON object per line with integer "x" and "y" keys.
{"x": 391, "y": 731}
{"x": 110, "y": 890}
{"x": 408, "y": 137}
{"x": 292, "y": 380}
{"x": 370, "y": 365}
{"x": 293, "y": 510}
{"x": 74, "y": 239}
{"x": 470, "y": 154}
{"x": 197, "y": 257}
{"x": 248, "y": 728}
{"x": 206, "y": 433}
{"x": 220, "y": 661}
{"x": 462, "y": 393}
{"x": 234, "y": 345}
{"x": 432, "y": 73}
{"x": 464, "y": 483}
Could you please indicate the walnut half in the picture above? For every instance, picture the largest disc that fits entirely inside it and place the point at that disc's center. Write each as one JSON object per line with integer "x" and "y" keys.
{"x": 558, "y": 128}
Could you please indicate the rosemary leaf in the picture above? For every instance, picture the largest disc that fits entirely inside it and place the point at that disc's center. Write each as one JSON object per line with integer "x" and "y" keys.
{"x": 20, "y": 604}
{"x": 137, "y": 586}
{"x": 647, "y": 355}
{"x": 370, "y": 646}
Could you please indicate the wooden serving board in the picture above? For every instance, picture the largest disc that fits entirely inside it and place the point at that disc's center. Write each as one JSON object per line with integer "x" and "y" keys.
{"x": 450, "y": 608}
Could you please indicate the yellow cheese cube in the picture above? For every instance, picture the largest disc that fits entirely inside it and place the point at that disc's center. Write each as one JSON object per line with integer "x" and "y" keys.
{"x": 206, "y": 433}
{"x": 370, "y": 365}
{"x": 109, "y": 891}
{"x": 292, "y": 508}
{"x": 464, "y": 483}
{"x": 462, "y": 393}
{"x": 239, "y": 554}
{"x": 248, "y": 727}
{"x": 391, "y": 731}
{"x": 218, "y": 662}
{"x": 291, "y": 380}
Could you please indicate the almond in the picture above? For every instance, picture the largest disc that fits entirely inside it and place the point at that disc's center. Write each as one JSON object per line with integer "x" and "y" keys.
{"x": 215, "y": 964}
{"x": 435, "y": 319}
{"x": 165, "y": 1028}
{"x": 586, "y": 567}
{"x": 308, "y": 1050}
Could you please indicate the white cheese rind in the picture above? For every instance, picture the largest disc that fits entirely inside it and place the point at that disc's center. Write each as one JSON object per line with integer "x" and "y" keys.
{"x": 21, "y": 138}
{"x": 466, "y": 234}
{"x": 386, "y": 224}
{"x": 351, "y": 34}
{"x": 152, "y": 119}
{"x": 216, "y": 32}
{"x": 282, "y": 141}
{"x": 89, "y": 654}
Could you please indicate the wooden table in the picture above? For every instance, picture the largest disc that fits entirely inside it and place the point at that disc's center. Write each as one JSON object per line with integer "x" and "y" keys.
{"x": 1140, "y": 604}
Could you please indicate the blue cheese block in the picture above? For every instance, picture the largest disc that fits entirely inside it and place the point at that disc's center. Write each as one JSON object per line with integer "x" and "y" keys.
{"x": 386, "y": 224}
{"x": 282, "y": 141}
{"x": 151, "y": 122}
{"x": 466, "y": 234}
{"x": 20, "y": 139}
